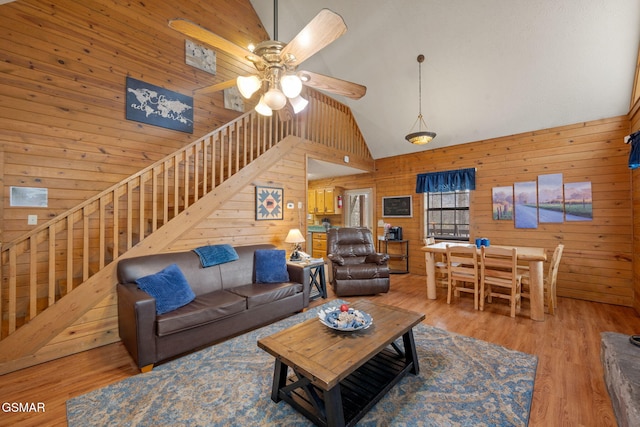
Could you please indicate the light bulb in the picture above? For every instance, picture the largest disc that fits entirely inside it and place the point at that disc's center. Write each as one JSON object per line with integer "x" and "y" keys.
{"x": 275, "y": 99}
{"x": 248, "y": 85}
{"x": 262, "y": 108}
{"x": 291, "y": 85}
{"x": 298, "y": 103}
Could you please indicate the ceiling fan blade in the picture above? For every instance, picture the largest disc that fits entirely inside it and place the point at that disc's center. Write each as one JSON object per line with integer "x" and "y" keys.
{"x": 216, "y": 87}
{"x": 333, "y": 85}
{"x": 201, "y": 34}
{"x": 326, "y": 27}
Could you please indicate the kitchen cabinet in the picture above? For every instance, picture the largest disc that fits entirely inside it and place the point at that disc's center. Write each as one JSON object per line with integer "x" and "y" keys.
{"x": 319, "y": 245}
{"x": 325, "y": 201}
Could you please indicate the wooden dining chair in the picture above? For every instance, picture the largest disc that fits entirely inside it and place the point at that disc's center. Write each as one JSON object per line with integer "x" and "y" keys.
{"x": 499, "y": 276}
{"x": 441, "y": 267}
{"x": 550, "y": 298}
{"x": 462, "y": 264}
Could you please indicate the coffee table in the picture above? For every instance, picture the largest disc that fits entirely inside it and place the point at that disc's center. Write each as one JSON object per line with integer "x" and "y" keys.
{"x": 338, "y": 376}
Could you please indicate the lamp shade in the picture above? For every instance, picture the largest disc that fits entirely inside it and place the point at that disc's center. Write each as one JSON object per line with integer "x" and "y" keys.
{"x": 275, "y": 99}
{"x": 420, "y": 138}
{"x": 248, "y": 85}
{"x": 298, "y": 103}
{"x": 291, "y": 85}
{"x": 262, "y": 108}
{"x": 294, "y": 236}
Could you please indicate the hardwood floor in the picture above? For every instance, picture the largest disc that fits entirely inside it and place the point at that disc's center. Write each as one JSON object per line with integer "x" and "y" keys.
{"x": 569, "y": 388}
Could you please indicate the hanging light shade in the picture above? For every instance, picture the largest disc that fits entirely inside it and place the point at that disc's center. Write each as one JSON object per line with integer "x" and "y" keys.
{"x": 291, "y": 85}
{"x": 422, "y": 136}
{"x": 298, "y": 103}
{"x": 262, "y": 108}
{"x": 248, "y": 85}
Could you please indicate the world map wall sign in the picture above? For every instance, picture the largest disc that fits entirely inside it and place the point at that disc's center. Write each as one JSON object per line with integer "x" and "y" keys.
{"x": 157, "y": 106}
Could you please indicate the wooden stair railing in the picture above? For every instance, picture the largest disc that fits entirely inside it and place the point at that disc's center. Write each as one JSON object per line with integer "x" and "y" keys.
{"x": 47, "y": 263}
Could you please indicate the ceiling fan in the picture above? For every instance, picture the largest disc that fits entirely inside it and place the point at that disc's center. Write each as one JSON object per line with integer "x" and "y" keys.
{"x": 277, "y": 63}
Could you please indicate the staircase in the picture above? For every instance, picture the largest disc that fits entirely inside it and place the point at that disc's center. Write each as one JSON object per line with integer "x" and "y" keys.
{"x": 58, "y": 271}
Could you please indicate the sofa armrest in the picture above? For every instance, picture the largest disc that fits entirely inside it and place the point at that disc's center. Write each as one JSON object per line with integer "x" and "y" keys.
{"x": 300, "y": 274}
{"x": 136, "y": 323}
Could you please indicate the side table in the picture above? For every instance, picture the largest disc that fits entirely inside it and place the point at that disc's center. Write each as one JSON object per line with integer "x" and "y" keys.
{"x": 314, "y": 273}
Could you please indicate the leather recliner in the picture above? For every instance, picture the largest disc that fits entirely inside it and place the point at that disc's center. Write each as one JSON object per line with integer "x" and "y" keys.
{"x": 356, "y": 266}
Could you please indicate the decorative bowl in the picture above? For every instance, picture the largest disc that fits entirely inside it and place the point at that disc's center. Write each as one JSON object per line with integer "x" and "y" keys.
{"x": 352, "y": 320}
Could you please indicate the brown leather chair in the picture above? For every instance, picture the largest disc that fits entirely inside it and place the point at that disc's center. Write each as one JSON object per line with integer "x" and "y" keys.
{"x": 356, "y": 266}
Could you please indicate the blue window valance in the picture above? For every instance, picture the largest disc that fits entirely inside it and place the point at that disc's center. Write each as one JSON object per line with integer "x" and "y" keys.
{"x": 634, "y": 155}
{"x": 455, "y": 180}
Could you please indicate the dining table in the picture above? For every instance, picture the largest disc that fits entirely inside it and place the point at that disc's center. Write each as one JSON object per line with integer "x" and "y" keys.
{"x": 533, "y": 255}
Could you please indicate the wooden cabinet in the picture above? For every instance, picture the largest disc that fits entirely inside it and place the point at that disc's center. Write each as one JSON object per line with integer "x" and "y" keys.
{"x": 311, "y": 201}
{"x": 319, "y": 245}
{"x": 325, "y": 201}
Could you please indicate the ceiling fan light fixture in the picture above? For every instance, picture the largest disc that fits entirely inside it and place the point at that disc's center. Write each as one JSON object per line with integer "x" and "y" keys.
{"x": 422, "y": 136}
{"x": 291, "y": 85}
{"x": 248, "y": 85}
{"x": 263, "y": 109}
{"x": 298, "y": 103}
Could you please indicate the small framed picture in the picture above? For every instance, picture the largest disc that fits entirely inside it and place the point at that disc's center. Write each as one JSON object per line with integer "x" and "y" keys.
{"x": 28, "y": 197}
{"x": 269, "y": 203}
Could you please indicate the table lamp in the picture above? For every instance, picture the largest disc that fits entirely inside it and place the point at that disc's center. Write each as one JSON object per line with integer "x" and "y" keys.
{"x": 295, "y": 237}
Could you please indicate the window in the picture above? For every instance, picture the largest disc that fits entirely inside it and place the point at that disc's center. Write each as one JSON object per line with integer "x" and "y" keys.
{"x": 447, "y": 215}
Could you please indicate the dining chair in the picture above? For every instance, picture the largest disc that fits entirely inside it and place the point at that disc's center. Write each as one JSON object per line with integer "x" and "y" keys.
{"x": 499, "y": 276}
{"x": 550, "y": 298}
{"x": 462, "y": 264}
{"x": 441, "y": 267}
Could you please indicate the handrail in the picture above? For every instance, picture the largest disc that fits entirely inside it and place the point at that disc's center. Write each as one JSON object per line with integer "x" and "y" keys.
{"x": 45, "y": 264}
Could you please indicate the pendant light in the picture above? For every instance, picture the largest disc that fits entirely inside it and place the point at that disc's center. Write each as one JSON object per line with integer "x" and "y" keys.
{"x": 422, "y": 136}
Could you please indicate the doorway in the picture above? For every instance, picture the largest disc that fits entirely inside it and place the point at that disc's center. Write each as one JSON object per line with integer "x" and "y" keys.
{"x": 359, "y": 208}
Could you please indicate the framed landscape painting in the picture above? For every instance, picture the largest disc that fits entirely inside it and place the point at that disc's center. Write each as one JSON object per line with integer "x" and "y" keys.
{"x": 502, "y": 200}
{"x": 578, "y": 202}
{"x": 550, "y": 198}
{"x": 526, "y": 204}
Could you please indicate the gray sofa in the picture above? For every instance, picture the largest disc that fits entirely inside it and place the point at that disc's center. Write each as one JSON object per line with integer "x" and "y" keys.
{"x": 227, "y": 302}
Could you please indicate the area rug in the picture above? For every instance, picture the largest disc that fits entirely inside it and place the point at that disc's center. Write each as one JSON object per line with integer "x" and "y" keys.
{"x": 463, "y": 382}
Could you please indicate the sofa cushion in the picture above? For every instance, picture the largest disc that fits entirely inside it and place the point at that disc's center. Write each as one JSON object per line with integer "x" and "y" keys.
{"x": 264, "y": 293}
{"x": 204, "y": 309}
{"x": 169, "y": 287}
{"x": 271, "y": 266}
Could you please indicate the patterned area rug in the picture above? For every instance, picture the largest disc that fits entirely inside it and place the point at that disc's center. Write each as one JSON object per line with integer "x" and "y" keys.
{"x": 462, "y": 382}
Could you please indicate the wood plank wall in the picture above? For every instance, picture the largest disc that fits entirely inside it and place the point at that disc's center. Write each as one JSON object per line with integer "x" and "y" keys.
{"x": 634, "y": 117}
{"x": 62, "y": 91}
{"x": 597, "y": 261}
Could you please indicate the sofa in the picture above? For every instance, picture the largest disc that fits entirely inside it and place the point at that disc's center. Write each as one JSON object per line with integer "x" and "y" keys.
{"x": 226, "y": 300}
{"x": 357, "y": 269}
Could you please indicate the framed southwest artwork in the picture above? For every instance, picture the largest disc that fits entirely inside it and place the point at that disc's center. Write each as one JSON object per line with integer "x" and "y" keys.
{"x": 269, "y": 203}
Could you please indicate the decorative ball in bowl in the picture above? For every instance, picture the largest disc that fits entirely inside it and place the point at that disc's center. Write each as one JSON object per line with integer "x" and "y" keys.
{"x": 345, "y": 320}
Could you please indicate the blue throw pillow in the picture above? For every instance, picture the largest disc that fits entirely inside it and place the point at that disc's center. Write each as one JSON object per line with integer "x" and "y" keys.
{"x": 271, "y": 266}
{"x": 169, "y": 287}
{"x": 216, "y": 254}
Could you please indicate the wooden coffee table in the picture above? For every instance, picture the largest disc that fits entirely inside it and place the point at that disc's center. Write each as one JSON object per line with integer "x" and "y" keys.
{"x": 338, "y": 376}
